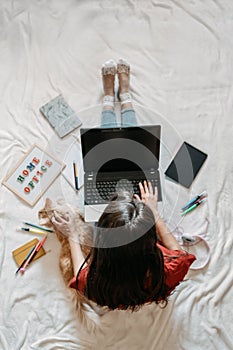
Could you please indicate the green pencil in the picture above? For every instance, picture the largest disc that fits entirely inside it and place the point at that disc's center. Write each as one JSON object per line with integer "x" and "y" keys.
{"x": 39, "y": 227}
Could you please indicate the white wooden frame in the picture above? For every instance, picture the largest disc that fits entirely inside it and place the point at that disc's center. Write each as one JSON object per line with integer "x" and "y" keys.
{"x": 33, "y": 174}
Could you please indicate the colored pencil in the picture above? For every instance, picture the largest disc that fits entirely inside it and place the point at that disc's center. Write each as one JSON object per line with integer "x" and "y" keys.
{"x": 38, "y": 226}
{"x": 194, "y": 200}
{"x": 21, "y": 265}
{"x": 33, "y": 254}
{"x": 76, "y": 176}
{"x": 34, "y": 230}
{"x": 193, "y": 207}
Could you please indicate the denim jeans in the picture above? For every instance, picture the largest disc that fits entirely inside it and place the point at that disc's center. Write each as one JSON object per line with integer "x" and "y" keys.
{"x": 128, "y": 118}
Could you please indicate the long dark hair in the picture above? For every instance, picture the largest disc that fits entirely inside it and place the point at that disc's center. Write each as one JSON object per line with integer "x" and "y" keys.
{"x": 126, "y": 267}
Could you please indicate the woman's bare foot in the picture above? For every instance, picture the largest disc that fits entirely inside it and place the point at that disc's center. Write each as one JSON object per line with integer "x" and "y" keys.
{"x": 108, "y": 74}
{"x": 123, "y": 71}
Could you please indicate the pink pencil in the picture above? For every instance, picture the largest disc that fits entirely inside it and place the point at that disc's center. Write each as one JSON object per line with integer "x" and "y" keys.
{"x": 33, "y": 254}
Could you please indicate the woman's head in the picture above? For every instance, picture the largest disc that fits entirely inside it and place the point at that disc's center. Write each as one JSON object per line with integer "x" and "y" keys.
{"x": 126, "y": 267}
{"x": 124, "y": 220}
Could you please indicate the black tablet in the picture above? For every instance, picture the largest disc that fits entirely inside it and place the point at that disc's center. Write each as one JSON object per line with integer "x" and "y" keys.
{"x": 186, "y": 164}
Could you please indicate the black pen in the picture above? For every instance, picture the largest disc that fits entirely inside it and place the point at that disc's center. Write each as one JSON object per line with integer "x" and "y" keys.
{"x": 76, "y": 176}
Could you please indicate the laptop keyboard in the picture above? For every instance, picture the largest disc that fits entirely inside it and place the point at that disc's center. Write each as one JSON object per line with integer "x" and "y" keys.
{"x": 101, "y": 191}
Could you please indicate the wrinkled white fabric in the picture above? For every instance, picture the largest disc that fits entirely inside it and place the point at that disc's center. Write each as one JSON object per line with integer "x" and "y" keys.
{"x": 181, "y": 55}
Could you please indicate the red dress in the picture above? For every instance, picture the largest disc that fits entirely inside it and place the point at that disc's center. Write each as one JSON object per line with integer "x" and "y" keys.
{"x": 176, "y": 265}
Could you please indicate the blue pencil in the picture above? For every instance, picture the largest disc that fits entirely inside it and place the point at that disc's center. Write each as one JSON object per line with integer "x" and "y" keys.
{"x": 193, "y": 206}
{"x": 190, "y": 203}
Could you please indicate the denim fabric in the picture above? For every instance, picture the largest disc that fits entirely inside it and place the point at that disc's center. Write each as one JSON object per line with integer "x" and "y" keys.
{"x": 108, "y": 118}
{"x": 128, "y": 117}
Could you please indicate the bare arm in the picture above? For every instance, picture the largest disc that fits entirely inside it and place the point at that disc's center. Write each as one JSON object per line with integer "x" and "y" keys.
{"x": 66, "y": 225}
{"x": 166, "y": 236}
{"x": 77, "y": 256}
{"x": 150, "y": 198}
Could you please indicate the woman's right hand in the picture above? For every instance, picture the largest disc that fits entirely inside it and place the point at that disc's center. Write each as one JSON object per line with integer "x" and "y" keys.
{"x": 149, "y": 197}
{"x": 65, "y": 224}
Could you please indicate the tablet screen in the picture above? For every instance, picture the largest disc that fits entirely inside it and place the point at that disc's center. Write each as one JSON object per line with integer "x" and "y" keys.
{"x": 186, "y": 164}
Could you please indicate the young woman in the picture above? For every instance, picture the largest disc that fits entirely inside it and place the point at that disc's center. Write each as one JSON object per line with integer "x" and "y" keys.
{"x": 135, "y": 259}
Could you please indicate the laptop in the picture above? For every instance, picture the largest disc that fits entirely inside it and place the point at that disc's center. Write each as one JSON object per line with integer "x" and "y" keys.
{"x": 118, "y": 159}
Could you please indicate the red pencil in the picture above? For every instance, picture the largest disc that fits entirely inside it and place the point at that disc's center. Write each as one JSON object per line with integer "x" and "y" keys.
{"x": 33, "y": 254}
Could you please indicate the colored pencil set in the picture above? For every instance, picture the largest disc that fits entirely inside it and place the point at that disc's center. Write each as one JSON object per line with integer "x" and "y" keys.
{"x": 37, "y": 229}
{"x": 30, "y": 256}
{"x": 194, "y": 203}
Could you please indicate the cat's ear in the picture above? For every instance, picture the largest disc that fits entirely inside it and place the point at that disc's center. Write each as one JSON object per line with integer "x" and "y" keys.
{"x": 46, "y": 213}
{"x": 49, "y": 204}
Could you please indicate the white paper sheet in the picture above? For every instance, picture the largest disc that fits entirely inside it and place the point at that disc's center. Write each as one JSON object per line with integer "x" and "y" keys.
{"x": 73, "y": 155}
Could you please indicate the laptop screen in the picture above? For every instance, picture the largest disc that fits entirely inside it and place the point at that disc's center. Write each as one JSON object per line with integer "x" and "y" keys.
{"x": 121, "y": 149}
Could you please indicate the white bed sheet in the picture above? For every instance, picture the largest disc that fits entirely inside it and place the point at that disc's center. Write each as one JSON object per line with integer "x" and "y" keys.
{"x": 181, "y": 54}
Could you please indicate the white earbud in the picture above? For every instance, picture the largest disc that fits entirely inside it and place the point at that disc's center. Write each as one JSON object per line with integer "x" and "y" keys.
{"x": 188, "y": 238}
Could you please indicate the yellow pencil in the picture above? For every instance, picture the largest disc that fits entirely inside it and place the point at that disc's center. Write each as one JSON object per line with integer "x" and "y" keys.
{"x": 33, "y": 230}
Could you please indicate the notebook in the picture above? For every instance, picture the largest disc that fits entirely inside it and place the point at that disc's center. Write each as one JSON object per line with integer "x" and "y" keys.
{"x": 118, "y": 158}
{"x": 21, "y": 252}
{"x": 186, "y": 164}
{"x": 60, "y": 116}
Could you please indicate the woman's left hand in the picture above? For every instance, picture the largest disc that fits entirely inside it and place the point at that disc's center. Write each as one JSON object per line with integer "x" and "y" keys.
{"x": 149, "y": 197}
